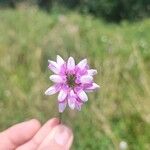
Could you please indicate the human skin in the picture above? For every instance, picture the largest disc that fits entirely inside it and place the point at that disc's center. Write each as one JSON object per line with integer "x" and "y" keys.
{"x": 30, "y": 135}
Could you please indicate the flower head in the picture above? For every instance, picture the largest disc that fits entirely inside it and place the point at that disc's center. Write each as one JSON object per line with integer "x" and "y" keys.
{"x": 71, "y": 81}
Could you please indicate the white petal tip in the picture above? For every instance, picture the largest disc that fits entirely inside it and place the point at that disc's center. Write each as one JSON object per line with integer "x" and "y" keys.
{"x": 86, "y": 79}
{"x": 96, "y": 85}
{"x": 83, "y": 96}
{"x": 56, "y": 79}
{"x": 85, "y": 60}
{"x": 62, "y": 95}
{"x": 46, "y": 93}
{"x": 92, "y": 72}
{"x": 72, "y": 107}
{"x": 71, "y": 63}
{"x": 60, "y": 61}
{"x": 51, "y": 90}
{"x": 82, "y": 63}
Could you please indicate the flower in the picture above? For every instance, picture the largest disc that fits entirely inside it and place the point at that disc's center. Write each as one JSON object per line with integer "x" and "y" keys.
{"x": 71, "y": 81}
{"x": 123, "y": 145}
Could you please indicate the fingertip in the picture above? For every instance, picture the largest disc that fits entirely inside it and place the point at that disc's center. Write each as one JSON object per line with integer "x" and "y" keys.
{"x": 50, "y": 124}
{"x": 21, "y": 132}
{"x": 54, "y": 120}
{"x": 35, "y": 122}
{"x": 41, "y": 134}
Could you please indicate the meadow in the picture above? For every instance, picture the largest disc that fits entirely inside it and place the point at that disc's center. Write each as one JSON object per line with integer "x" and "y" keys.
{"x": 119, "y": 111}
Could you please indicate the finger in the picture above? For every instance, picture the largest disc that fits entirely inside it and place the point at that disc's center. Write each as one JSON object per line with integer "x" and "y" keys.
{"x": 60, "y": 138}
{"x": 40, "y": 135}
{"x": 18, "y": 134}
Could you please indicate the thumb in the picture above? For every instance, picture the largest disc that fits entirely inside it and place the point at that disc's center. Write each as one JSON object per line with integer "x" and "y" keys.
{"x": 59, "y": 138}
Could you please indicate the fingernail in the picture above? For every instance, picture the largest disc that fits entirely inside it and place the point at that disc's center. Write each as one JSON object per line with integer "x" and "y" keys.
{"x": 62, "y": 135}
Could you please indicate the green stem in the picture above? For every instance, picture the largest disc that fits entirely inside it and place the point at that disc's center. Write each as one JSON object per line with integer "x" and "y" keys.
{"x": 60, "y": 117}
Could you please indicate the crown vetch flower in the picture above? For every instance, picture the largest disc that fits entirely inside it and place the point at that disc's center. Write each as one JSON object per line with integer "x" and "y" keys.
{"x": 71, "y": 81}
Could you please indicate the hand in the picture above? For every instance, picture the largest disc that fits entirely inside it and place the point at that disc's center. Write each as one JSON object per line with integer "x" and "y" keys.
{"x": 30, "y": 135}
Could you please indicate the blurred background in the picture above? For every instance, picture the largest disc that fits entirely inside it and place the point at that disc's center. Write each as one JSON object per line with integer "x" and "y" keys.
{"x": 115, "y": 38}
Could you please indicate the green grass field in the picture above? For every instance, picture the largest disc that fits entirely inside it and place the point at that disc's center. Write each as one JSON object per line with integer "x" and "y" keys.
{"x": 119, "y": 111}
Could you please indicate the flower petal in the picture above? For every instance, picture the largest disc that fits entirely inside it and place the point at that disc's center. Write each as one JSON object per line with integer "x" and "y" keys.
{"x": 71, "y": 102}
{"x": 62, "y": 95}
{"x": 72, "y": 94}
{"x": 86, "y": 79}
{"x": 71, "y": 63}
{"x": 56, "y": 78}
{"x": 82, "y": 95}
{"x": 82, "y": 64}
{"x": 78, "y": 105}
{"x": 60, "y": 61}
{"x": 53, "y": 66}
{"x": 62, "y": 106}
{"x": 51, "y": 90}
{"x": 92, "y": 72}
{"x": 93, "y": 87}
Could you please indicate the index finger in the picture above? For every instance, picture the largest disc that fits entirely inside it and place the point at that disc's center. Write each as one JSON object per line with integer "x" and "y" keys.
{"x": 40, "y": 135}
{"x": 18, "y": 134}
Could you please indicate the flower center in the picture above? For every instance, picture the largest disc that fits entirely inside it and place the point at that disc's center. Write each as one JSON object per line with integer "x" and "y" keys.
{"x": 71, "y": 80}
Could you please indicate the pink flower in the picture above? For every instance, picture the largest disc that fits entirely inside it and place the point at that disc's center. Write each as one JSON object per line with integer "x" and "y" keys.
{"x": 71, "y": 81}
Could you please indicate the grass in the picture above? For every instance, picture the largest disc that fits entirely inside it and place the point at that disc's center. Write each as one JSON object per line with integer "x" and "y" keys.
{"x": 121, "y": 54}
